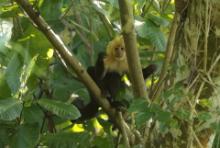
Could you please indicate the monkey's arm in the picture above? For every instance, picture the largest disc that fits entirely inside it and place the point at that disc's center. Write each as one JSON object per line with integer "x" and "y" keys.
{"x": 99, "y": 66}
{"x": 87, "y": 111}
{"x": 149, "y": 70}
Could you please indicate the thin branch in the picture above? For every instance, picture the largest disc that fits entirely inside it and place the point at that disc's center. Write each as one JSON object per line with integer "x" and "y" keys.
{"x": 197, "y": 139}
{"x": 206, "y": 32}
{"x": 106, "y": 23}
{"x": 168, "y": 57}
{"x": 67, "y": 10}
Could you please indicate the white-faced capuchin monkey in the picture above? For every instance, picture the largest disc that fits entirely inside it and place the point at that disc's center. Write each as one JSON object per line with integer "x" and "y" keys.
{"x": 107, "y": 73}
{"x": 115, "y": 59}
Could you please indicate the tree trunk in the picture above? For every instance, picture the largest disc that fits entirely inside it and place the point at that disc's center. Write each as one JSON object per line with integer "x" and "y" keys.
{"x": 198, "y": 42}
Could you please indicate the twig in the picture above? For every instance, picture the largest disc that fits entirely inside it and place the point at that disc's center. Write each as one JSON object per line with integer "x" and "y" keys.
{"x": 67, "y": 10}
{"x": 197, "y": 139}
{"x": 206, "y": 32}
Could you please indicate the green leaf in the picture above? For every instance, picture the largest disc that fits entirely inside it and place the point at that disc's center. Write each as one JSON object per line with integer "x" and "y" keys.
{"x": 159, "y": 21}
{"x": 5, "y": 90}
{"x": 216, "y": 142}
{"x": 10, "y": 109}
{"x": 33, "y": 114}
{"x": 138, "y": 105}
{"x": 106, "y": 142}
{"x": 66, "y": 140}
{"x": 63, "y": 85}
{"x": 28, "y": 69}
{"x": 26, "y": 136}
{"x": 4, "y": 136}
{"x": 114, "y": 3}
{"x": 163, "y": 116}
{"x": 152, "y": 33}
{"x": 183, "y": 114}
{"x": 205, "y": 103}
{"x": 9, "y": 11}
{"x": 67, "y": 111}
{"x": 142, "y": 117}
{"x": 13, "y": 73}
{"x": 204, "y": 116}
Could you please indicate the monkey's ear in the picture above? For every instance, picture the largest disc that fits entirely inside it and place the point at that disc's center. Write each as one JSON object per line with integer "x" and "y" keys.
{"x": 149, "y": 70}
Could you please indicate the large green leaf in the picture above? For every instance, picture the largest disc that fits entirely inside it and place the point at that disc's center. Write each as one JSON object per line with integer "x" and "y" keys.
{"x": 26, "y": 136}
{"x": 64, "y": 85}
{"x": 67, "y": 111}
{"x": 13, "y": 73}
{"x": 151, "y": 32}
{"x": 10, "y": 109}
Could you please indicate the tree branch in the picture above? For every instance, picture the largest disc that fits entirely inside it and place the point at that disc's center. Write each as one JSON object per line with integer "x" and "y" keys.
{"x": 135, "y": 71}
{"x": 124, "y": 132}
{"x": 168, "y": 56}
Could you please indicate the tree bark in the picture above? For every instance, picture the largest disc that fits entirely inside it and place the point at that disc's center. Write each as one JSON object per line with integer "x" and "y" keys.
{"x": 128, "y": 31}
{"x": 196, "y": 42}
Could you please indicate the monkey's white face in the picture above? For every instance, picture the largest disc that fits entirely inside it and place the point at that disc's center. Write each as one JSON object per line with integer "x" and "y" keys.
{"x": 119, "y": 52}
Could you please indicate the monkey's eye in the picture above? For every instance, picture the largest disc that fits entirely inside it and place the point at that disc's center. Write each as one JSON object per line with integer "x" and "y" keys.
{"x": 119, "y": 49}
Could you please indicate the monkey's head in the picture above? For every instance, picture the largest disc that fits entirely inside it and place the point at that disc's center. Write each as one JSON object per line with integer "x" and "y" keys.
{"x": 116, "y": 48}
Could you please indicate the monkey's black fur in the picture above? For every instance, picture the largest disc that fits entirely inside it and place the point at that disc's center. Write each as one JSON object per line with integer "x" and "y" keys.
{"x": 110, "y": 85}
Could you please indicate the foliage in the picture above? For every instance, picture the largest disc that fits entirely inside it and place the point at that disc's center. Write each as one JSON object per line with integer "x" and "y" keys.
{"x": 10, "y": 109}
{"x": 67, "y": 111}
{"x": 35, "y": 85}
